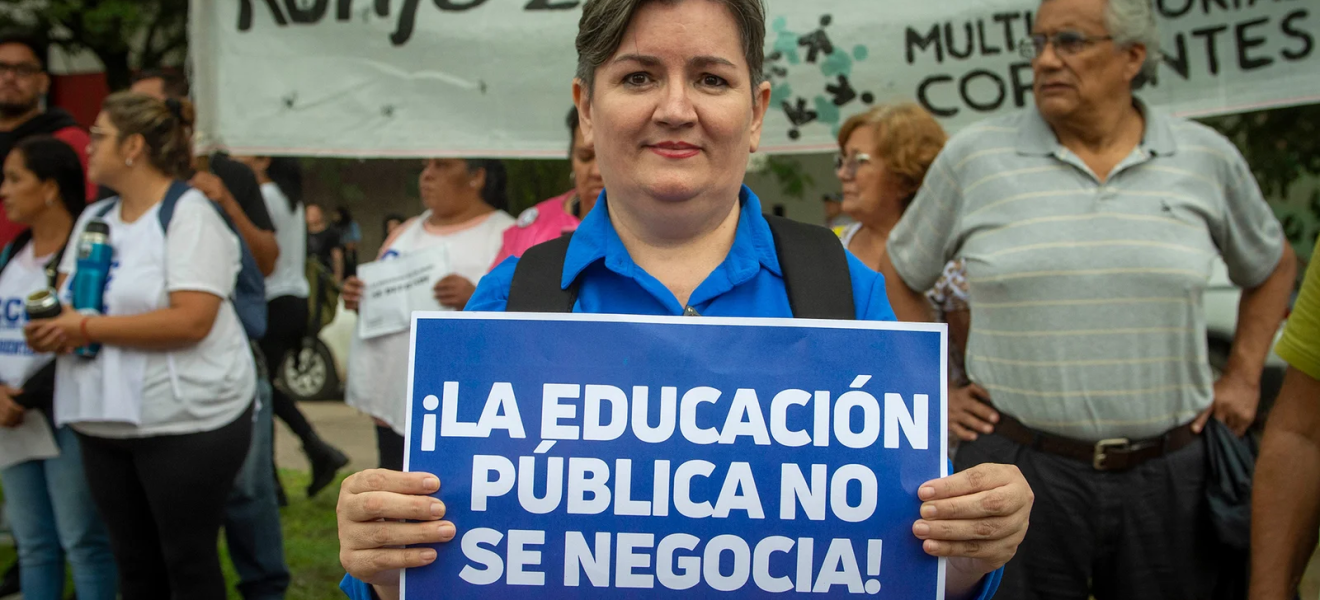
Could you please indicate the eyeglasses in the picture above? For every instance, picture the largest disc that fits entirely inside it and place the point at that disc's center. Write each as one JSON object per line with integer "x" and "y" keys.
{"x": 97, "y": 135}
{"x": 1066, "y": 43}
{"x": 19, "y": 69}
{"x": 849, "y": 164}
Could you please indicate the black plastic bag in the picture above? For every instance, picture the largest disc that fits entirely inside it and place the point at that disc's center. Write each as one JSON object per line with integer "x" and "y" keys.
{"x": 1228, "y": 485}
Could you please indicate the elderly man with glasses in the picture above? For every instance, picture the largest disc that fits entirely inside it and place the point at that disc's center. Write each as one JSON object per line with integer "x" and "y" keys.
{"x": 1089, "y": 226}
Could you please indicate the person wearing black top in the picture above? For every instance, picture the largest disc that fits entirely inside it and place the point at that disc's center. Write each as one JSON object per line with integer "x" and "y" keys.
{"x": 323, "y": 242}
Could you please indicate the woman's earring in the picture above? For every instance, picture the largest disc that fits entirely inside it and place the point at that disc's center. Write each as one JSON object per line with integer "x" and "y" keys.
{"x": 128, "y": 162}
{"x": 50, "y": 201}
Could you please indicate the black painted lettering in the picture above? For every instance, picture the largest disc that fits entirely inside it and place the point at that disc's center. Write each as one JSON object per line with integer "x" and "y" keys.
{"x": 245, "y": 14}
{"x": 306, "y": 15}
{"x": 1010, "y": 36}
{"x": 407, "y": 21}
{"x": 1165, "y": 9}
{"x": 382, "y": 8}
{"x": 986, "y": 48}
{"x": 551, "y": 5}
{"x": 1245, "y": 42}
{"x": 1308, "y": 42}
{"x": 982, "y": 106}
{"x": 1021, "y": 87}
{"x": 925, "y": 100}
{"x": 450, "y": 5}
{"x": 1177, "y": 60}
{"x": 1211, "y": 48}
{"x": 1206, "y": 5}
{"x": 953, "y": 48}
{"x": 915, "y": 41}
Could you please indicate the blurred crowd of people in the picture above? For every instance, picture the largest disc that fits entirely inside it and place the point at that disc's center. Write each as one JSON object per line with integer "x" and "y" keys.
{"x": 1067, "y": 247}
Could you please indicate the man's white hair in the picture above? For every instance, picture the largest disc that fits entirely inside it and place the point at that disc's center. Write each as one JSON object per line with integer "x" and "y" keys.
{"x": 1132, "y": 22}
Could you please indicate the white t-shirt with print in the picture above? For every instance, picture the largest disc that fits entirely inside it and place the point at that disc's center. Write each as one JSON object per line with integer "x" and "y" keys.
{"x": 32, "y": 439}
{"x": 290, "y": 275}
{"x": 25, "y": 274}
{"x": 130, "y": 392}
{"x": 378, "y": 367}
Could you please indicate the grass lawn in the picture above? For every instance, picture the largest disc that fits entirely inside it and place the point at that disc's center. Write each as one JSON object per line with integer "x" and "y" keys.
{"x": 311, "y": 544}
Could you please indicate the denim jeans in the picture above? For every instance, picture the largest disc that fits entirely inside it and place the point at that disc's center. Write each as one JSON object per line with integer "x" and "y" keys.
{"x": 252, "y": 513}
{"x": 54, "y": 520}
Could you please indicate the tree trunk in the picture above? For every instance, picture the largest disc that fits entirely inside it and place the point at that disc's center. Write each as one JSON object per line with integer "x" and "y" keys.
{"x": 117, "y": 74}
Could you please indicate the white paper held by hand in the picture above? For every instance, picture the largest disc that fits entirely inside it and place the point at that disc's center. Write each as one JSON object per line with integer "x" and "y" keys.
{"x": 393, "y": 289}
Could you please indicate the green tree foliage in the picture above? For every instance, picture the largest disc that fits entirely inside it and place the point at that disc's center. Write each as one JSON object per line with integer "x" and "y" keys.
{"x": 124, "y": 34}
{"x": 1283, "y": 148}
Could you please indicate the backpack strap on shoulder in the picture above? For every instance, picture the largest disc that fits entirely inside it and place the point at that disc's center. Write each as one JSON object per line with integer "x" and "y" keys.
{"x": 815, "y": 267}
{"x": 536, "y": 279}
{"x": 171, "y": 202}
{"x": 109, "y": 206}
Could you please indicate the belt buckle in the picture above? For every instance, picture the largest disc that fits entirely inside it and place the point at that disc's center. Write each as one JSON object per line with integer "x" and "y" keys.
{"x": 1103, "y": 447}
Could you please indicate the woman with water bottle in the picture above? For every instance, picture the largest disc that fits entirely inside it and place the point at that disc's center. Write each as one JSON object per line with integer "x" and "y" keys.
{"x": 155, "y": 374}
{"x": 48, "y": 502}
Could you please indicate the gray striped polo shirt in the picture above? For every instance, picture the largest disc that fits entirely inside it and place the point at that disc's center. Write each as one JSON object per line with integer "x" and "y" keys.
{"x": 1086, "y": 297}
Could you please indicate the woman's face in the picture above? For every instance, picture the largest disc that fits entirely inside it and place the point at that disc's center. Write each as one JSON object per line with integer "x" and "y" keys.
{"x": 870, "y": 190}
{"x": 671, "y": 116}
{"x": 586, "y": 174}
{"x": 315, "y": 218}
{"x": 447, "y": 187}
{"x": 106, "y": 157}
{"x": 25, "y": 197}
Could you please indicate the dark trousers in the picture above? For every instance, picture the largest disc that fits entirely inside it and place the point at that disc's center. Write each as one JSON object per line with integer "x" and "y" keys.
{"x": 1134, "y": 534}
{"x": 286, "y": 326}
{"x": 252, "y": 514}
{"x": 162, "y": 499}
{"x": 1131, "y": 535}
{"x": 389, "y": 448}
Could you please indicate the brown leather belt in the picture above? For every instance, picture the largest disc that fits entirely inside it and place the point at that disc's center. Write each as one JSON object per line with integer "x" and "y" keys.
{"x": 1115, "y": 454}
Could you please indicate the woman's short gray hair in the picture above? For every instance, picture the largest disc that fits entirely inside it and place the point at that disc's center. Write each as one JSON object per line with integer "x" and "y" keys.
{"x": 1132, "y": 22}
{"x": 600, "y": 32}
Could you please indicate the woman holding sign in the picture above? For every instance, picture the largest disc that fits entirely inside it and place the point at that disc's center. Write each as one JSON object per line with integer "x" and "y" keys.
{"x": 670, "y": 93}
{"x": 464, "y": 219}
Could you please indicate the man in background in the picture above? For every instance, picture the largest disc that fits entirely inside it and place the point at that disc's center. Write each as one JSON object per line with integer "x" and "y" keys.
{"x": 23, "y": 84}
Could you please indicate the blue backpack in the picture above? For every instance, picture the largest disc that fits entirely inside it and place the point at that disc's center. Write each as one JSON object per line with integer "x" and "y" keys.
{"x": 249, "y": 295}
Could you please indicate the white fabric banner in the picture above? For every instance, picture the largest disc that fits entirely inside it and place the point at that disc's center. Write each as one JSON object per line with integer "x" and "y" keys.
{"x": 432, "y": 78}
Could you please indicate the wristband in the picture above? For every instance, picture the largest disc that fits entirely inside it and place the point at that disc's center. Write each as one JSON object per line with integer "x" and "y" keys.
{"x": 87, "y": 338}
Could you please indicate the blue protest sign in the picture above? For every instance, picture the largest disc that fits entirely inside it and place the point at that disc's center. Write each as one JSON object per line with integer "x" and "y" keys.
{"x": 609, "y": 456}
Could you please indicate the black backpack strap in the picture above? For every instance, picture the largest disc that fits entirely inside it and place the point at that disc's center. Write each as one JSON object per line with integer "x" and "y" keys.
{"x": 536, "y": 279}
{"x": 53, "y": 267}
{"x": 815, "y": 267}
